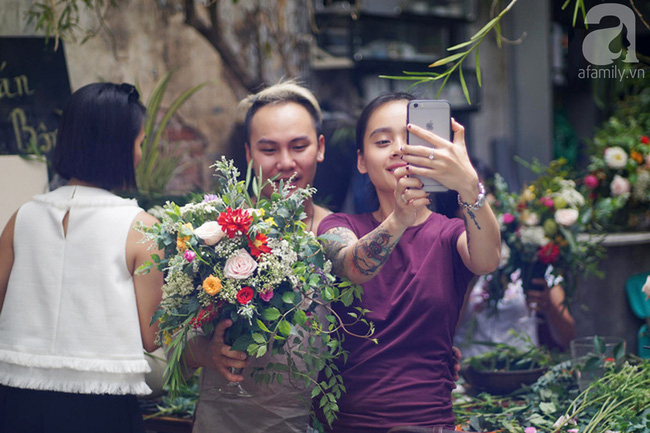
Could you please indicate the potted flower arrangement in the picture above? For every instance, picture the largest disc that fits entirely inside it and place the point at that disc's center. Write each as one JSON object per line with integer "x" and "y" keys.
{"x": 229, "y": 256}
{"x": 617, "y": 184}
{"x": 539, "y": 229}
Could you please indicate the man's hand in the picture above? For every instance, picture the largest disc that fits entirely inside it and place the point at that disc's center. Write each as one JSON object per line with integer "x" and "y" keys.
{"x": 456, "y": 369}
{"x": 220, "y": 357}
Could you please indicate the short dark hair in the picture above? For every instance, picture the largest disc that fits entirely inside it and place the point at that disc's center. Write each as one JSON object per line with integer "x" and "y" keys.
{"x": 281, "y": 93}
{"x": 97, "y": 132}
{"x": 380, "y": 100}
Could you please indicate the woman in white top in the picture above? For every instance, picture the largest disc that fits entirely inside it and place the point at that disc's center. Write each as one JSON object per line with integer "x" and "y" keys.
{"x": 74, "y": 316}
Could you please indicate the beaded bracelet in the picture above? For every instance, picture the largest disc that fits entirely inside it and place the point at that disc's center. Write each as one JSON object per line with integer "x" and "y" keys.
{"x": 470, "y": 208}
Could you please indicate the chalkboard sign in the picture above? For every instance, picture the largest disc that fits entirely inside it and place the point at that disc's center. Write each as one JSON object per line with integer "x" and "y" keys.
{"x": 34, "y": 87}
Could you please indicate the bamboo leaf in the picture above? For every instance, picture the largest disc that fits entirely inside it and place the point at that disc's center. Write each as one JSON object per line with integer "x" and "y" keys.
{"x": 448, "y": 59}
{"x": 477, "y": 61}
{"x": 461, "y": 45}
{"x": 464, "y": 86}
{"x": 486, "y": 28}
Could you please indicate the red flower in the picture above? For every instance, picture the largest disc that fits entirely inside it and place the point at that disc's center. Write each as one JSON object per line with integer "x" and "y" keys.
{"x": 645, "y": 139}
{"x": 235, "y": 222}
{"x": 549, "y": 253}
{"x": 244, "y": 295}
{"x": 205, "y": 315}
{"x": 258, "y": 245}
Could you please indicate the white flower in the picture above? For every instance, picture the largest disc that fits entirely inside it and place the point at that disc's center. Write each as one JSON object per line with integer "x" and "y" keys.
{"x": 565, "y": 183}
{"x": 240, "y": 266}
{"x": 566, "y": 217}
{"x": 572, "y": 197}
{"x": 560, "y": 422}
{"x": 646, "y": 288}
{"x": 529, "y": 218}
{"x": 505, "y": 255}
{"x": 619, "y": 185}
{"x": 533, "y": 236}
{"x": 210, "y": 232}
{"x": 615, "y": 157}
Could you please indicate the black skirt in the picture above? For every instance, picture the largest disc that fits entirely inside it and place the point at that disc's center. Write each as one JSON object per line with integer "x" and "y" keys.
{"x": 32, "y": 411}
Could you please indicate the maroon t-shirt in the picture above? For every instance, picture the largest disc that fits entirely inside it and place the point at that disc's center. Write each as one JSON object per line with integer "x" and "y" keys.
{"x": 414, "y": 301}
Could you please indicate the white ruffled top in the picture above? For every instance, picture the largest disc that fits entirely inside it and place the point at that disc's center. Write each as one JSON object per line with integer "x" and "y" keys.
{"x": 70, "y": 321}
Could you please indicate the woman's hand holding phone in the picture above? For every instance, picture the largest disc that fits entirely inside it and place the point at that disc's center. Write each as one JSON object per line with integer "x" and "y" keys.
{"x": 450, "y": 165}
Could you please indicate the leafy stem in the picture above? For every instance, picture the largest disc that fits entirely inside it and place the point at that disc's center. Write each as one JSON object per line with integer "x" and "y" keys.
{"x": 456, "y": 60}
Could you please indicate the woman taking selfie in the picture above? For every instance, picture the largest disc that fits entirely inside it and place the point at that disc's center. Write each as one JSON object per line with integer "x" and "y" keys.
{"x": 74, "y": 315}
{"x": 414, "y": 266}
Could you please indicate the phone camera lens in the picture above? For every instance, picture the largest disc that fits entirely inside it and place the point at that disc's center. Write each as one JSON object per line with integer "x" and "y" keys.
{"x": 415, "y": 105}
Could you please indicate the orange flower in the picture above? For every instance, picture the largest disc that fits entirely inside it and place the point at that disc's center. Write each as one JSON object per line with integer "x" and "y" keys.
{"x": 212, "y": 285}
{"x": 637, "y": 156}
{"x": 181, "y": 241}
{"x": 180, "y": 244}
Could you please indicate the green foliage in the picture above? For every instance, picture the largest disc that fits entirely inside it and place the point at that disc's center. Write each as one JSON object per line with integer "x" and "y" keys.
{"x": 537, "y": 233}
{"x": 454, "y": 62}
{"x": 159, "y": 161}
{"x": 61, "y": 19}
{"x": 291, "y": 288}
{"x": 618, "y": 401}
{"x": 625, "y": 132}
{"x": 504, "y": 357}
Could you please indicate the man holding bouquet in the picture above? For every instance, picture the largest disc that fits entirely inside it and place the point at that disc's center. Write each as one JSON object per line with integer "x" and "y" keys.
{"x": 283, "y": 139}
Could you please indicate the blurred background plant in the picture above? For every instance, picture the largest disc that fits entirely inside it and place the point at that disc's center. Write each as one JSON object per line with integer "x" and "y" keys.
{"x": 617, "y": 184}
{"x": 539, "y": 229}
{"x": 160, "y": 161}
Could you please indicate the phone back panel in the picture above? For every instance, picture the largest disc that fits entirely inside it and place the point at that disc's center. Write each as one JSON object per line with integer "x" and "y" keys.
{"x": 434, "y": 116}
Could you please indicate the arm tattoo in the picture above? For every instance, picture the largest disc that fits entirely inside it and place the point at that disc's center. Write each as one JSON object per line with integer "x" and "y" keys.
{"x": 372, "y": 251}
{"x": 472, "y": 216}
{"x": 467, "y": 231}
{"x": 338, "y": 238}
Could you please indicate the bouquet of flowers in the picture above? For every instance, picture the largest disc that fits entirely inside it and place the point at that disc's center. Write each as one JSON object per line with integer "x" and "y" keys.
{"x": 618, "y": 182}
{"x": 228, "y": 256}
{"x": 540, "y": 228}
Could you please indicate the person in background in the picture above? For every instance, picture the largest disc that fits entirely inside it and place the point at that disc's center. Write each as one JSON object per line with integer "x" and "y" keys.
{"x": 414, "y": 265}
{"x": 74, "y": 315}
{"x": 540, "y": 315}
{"x": 537, "y": 314}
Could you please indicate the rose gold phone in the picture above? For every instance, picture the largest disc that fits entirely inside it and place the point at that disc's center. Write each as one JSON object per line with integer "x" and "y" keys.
{"x": 434, "y": 116}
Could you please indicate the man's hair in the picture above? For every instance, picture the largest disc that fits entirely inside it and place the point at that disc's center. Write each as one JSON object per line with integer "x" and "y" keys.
{"x": 281, "y": 93}
{"x": 97, "y": 133}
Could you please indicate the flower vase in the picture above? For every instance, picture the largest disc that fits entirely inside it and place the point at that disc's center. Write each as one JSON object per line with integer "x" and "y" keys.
{"x": 529, "y": 272}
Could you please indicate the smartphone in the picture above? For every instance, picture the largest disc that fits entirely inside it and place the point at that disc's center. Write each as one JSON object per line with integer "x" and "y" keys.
{"x": 434, "y": 116}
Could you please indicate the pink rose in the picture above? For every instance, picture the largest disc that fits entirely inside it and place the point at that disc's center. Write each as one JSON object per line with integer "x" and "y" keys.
{"x": 210, "y": 232}
{"x": 508, "y": 218}
{"x": 240, "y": 266}
{"x": 190, "y": 256}
{"x": 619, "y": 185}
{"x": 591, "y": 181}
{"x": 546, "y": 201}
{"x": 266, "y": 296}
{"x": 530, "y": 430}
